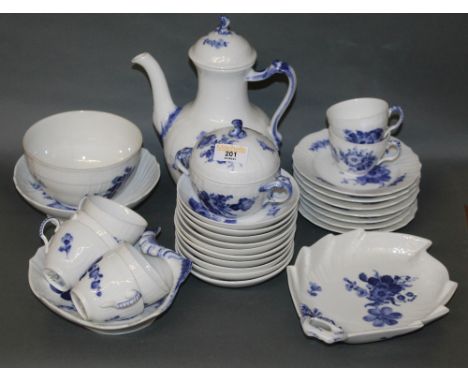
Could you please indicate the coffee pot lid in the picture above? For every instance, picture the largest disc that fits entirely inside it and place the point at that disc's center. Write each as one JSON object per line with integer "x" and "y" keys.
{"x": 223, "y": 49}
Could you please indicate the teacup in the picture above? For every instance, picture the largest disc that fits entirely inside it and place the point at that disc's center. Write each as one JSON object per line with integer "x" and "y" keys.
{"x": 235, "y": 171}
{"x": 76, "y": 244}
{"x": 108, "y": 290}
{"x": 361, "y": 158}
{"x": 363, "y": 120}
{"x": 120, "y": 221}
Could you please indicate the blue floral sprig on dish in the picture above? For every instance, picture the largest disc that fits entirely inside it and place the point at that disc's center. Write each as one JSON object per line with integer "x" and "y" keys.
{"x": 357, "y": 160}
{"x": 314, "y": 288}
{"x": 364, "y": 137}
{"x": 382, "y": 289}
{"x": 66, "y": 243}
{"x": 377, "y": 175}
{"x": 318, "y": 145}
{"x": 117, "y": 182}
{"x": 382, "y": 316}
{"x": 219, "y": 204}
{"x": 314, "y": 313}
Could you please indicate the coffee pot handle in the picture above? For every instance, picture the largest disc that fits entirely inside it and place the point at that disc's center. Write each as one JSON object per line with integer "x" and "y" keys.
{"x": 276, "y": 67}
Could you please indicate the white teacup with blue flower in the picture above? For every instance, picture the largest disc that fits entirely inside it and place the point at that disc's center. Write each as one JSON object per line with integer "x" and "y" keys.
{"x": 363, "y": 120}
{"x": 235, "y": 171}
{"x": 359, "y": 159}
{"x": 76, "y": 244}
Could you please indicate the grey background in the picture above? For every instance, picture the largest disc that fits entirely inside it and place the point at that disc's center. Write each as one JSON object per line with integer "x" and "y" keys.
{"x": 49, "y": 64}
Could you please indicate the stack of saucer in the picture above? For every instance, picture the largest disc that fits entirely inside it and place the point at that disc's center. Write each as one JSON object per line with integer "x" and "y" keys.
{"x": 383, "y": 199}
{"x": 234, "y": 252}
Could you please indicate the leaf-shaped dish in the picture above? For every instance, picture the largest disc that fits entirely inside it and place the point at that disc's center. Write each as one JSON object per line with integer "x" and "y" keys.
{"x": 368, "y": 286}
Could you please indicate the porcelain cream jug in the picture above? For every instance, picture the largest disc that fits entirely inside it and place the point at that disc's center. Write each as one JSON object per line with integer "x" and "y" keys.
{"x": 224, "y": 62}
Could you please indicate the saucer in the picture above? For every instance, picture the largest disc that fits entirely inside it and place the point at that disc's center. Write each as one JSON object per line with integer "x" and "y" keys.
{"x": 316, "y": 189}
{"x": 367, "y": 286}
{"x": 267, "y": 216}
{"x": 244, "y": 283}
{"x": 333, "y": 228}
{"x": 61, "y": 303}
{"x": 142, "y": 182}
{"x": 313, "y": 159}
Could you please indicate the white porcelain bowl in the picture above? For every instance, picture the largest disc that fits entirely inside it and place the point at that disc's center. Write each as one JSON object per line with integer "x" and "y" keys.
{"x": 77, "y": 153}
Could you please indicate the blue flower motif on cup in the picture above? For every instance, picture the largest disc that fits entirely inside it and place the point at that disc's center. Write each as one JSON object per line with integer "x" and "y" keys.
{"x": 94, "y": 273}
{"x": 357, "y": 160}
{"x": 377, "y": 175}
{"x": 66, "y": 243}
{"x": 219, "y": 204}
{"x": 364, "y": 137}
{"x": 217, "y": 44}
{"x": 382, "y": 316}
{"x": 318, "y": 145}
{"x": 117, "y": 182}
{"x": 314, "y": 288}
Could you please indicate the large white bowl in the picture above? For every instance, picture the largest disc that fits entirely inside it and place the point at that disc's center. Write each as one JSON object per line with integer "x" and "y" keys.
{"x": 77, "y": 153}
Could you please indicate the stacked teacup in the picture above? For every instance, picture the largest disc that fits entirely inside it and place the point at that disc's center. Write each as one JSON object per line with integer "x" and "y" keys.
{"x": 236, "y": 209}
{"x": 355, "y": 174}
{"x": 92, "y": 256}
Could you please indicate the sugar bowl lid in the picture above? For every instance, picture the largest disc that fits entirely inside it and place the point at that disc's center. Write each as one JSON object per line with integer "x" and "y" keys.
{"x": 223, "y": 49}
{"x": 234, "y": 155}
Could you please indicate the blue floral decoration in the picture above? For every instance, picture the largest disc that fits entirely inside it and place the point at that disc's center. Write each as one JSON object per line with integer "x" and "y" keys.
{"x": 377, "y": 175}
{"x": 382, "y": 290}
{"x": 66, "y": 243}
{"x": 273, "y": 209}
{"x": 166, "y": 126}
{"x": 318, "y": 145}
{"x": 364, "y": 137}
{"x": 183, "y": 155}
{"x": 264, "y": 146}
{"x": 357, "y": 160}
{"x": 94, "y": 273}
{"x": 219, "y": 204}
{"x": 398, "y": 180}
{"x": 314, "y": 288}
{"x": 117, "y": 182}
{"x": 217, "y": 44}
{"x": 382, "y": 316}
{"x": 200, "y": 209}
{"x": 64, "y": 295}
{"x": 38, "y": 186}
{"x": 314, "y": 313}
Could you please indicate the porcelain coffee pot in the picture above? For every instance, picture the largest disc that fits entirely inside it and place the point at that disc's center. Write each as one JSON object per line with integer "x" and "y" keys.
{"x": 224, "y": 62}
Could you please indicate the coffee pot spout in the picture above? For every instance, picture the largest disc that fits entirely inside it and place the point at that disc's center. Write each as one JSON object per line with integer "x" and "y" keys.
{"x": 164, "y": 109}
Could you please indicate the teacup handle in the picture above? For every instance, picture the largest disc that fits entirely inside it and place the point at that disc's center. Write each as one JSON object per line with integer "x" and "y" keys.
{"x": 44, "y": 223}
{"x": 182, "y": 160}
{"x": 280, "y": 183}
{"x": 389, "y": 158}
{"x": 395, "y": 110}
{"x": 282, "y": 67}
{"x": 323, "y": 330}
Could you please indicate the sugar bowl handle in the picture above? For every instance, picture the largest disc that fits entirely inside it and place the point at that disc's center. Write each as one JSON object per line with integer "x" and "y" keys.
{"x": 276, "y": 67}
{"x": 182, "y": 159}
